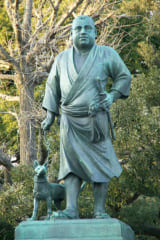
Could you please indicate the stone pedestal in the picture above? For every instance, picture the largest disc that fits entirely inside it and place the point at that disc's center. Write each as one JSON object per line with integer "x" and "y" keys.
{"x": 80, "y": 229}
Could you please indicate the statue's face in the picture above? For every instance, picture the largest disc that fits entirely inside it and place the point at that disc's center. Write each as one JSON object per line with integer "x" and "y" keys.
{"x": 83, "y": 33}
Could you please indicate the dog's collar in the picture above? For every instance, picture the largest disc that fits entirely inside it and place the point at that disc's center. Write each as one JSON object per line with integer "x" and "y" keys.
{"x": 39, "y": 180}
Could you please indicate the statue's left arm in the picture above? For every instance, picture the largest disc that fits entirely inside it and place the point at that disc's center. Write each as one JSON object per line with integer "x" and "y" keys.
{"x": 117, "y": 70}
{"x": 120, "y": 75}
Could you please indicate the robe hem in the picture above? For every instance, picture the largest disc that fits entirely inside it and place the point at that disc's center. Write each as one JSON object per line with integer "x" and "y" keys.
{"x": 103, "y": 180}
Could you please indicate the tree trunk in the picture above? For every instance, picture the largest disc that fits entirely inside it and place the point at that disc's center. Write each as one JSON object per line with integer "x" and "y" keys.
{"x": 5, "y": 160}
{"x": 27, "y": 122}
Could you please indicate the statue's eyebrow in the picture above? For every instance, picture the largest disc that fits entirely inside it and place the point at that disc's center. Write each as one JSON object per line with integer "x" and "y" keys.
{"x": 80, "y": 26}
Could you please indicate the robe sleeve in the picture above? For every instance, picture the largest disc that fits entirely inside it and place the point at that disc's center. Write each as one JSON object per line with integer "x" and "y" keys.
{"x": 52, "y": 95}
{"x": 120, "y": 74}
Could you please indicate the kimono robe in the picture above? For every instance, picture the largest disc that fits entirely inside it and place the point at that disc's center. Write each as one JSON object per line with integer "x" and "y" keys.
{"x": 74, "y": 93}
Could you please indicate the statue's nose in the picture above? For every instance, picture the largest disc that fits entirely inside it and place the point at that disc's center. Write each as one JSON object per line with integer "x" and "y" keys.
{"x": 83, "y": 30}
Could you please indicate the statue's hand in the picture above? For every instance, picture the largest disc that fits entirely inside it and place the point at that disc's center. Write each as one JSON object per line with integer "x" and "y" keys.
{"x": 47, "y": 122}
{"x": 107, "y": 102}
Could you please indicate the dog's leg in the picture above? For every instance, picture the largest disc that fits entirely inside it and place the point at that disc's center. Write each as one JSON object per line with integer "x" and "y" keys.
{"x": 58, "y": 204}
{"x": 49, "y": 208}
{"x": 35, "y": 209}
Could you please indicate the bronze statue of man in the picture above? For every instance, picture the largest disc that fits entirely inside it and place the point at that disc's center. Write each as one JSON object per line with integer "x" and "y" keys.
{"x": 77, "y": 84}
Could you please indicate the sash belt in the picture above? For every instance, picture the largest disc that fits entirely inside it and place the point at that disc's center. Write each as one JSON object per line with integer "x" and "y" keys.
{"x": 97, "y": 134}
{"x": 74, "y": 111}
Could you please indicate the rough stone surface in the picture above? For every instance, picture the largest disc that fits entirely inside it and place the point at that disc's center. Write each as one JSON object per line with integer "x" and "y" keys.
{"x": 86, "y": 229}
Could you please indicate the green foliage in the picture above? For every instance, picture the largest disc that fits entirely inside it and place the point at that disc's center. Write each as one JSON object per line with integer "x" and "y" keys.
{"x": 6, "y": 230}
{"x": 138, "y": 140}
{"x": 138, "y": 27}
{"x": 86, "y": 203}
{"x": 146, "y": 210}
{"x": 137, "y": 145}
{"x": 6, "y": 28}
{"x": 9, "y": 137}
{"x": 17, "y": 199}
{"x": 141, "y": 7}
{"x": 8, "y": 123}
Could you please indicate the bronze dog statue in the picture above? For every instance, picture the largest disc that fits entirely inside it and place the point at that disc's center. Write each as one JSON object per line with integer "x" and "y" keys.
{"x": 45, "y": 191}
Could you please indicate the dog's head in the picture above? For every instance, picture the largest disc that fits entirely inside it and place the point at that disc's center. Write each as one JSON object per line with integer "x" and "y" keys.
{"x": 40, "y": 170}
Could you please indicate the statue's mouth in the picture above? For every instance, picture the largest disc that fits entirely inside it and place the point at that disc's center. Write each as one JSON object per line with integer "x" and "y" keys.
{"x": 83, "y": 38}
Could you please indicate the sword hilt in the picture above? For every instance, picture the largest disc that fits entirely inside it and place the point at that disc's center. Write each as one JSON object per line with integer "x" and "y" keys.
{"x": 103, "y": 94}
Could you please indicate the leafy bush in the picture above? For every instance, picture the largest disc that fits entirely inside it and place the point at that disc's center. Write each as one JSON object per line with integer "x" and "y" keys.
{"x": 6, "y": 230}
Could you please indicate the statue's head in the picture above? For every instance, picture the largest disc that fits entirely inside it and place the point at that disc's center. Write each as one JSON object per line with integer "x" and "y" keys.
{"x": 83, "y": 32}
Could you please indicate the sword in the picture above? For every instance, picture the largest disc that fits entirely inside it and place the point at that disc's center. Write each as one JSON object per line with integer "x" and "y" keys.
{"x": 103, "y": 95}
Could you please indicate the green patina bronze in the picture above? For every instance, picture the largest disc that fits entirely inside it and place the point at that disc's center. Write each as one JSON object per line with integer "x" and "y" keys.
{"x": 45, "y": 191}
{"x": 86, "y": 229}
{"x": 77, "y": 85}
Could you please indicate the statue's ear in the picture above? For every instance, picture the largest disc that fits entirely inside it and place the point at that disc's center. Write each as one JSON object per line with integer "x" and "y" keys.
{"x": 95, "y": 32}
{"x": 71, "y": 33}
{"x": 46, "y": 164}
{"x": 35, "y": 164}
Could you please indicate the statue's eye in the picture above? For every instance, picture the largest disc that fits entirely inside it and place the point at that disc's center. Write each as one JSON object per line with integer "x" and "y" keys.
{"x": 78, "y": 28}
{"x": 88, "y": 28}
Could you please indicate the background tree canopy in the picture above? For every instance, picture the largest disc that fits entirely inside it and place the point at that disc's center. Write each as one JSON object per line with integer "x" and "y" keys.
{"x": 32, "y": 34}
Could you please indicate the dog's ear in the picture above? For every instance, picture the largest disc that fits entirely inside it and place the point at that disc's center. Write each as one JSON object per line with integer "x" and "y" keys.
{"x": 35, "y": 164}
{"x": 46, "y": 164}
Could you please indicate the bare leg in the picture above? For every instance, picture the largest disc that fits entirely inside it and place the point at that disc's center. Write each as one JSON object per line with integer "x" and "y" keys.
{"x": 72, "y": 185}
{"x": 49, "y": 208}
{"x": 100, "y": 193}
{"x": 35, "y": 210}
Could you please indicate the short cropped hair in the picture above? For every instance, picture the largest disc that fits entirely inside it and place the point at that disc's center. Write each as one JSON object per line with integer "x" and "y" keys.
{"x": 82, "y": 17}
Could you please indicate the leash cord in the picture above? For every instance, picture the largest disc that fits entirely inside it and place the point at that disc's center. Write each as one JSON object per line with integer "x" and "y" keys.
{"x": 47, "y": 143}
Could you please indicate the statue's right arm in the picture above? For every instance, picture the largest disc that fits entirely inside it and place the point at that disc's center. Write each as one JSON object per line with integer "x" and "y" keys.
{"x": 51, "y": 100}
{"x": 48, "y": 121}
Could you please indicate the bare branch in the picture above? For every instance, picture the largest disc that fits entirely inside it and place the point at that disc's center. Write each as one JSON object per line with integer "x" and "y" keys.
{"x": 27, "y": 19}
{"x": 5, "y": 65}
{"x": 12, "y": 10}
{"x": 9, "y": 5}
{"x": 40, "y": 27}
{"x": 14, "y": 63}
{"x": 9, "y": 98}
{"x": 8, "y": 58}
{"x": 8, "y": 77}
{"x": 5, "y": 160}
{"x": 52, "y": 4}
{"x": 105, "y": 5}
{"x": 63, "y": 28}
{"x": 56, "y": 8}
{"x": 40, "y": 76}
{"x": 85, "y": 7}
{"x": 67, "y": 14}
{"x": 127, "y": 16}
{"x": 58, "y": 2}
{"x": 100, "y": 21}
{"x": 13, "y": 114}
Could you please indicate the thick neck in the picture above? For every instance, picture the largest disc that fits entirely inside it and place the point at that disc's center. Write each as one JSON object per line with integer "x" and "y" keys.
{"x": 82, "y": 51}
{"x": 40, "y": 179}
